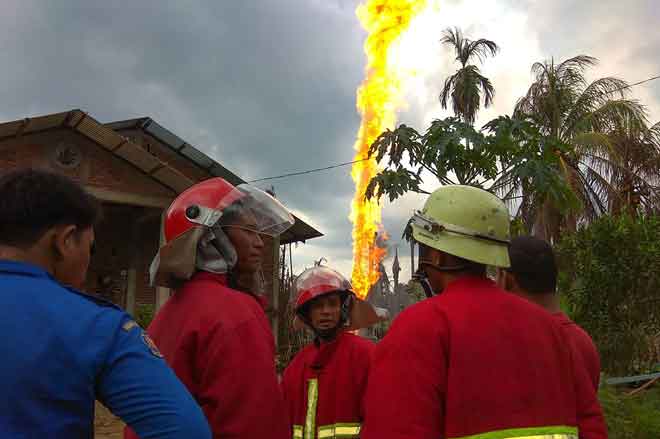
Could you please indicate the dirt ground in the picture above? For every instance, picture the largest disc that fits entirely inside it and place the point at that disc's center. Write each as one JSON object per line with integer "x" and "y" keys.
{"x": 106, "y": 425}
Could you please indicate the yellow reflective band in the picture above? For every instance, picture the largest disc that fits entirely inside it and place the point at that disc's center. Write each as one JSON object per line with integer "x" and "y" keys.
{"x": 297, "y": 432}
{"x": 312, "y": 401}
{"x": 555, "y": 432}
{"x": 339, "y": 431}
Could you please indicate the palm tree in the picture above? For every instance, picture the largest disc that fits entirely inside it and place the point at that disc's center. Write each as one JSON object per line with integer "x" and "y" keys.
{"x": 466, "y": 86}
{"x": 579, "y": 121}
{"x": 636, "y": 181}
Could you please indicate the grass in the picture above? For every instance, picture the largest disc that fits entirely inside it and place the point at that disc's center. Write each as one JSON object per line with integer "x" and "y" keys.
{"x": 631, "y": 417}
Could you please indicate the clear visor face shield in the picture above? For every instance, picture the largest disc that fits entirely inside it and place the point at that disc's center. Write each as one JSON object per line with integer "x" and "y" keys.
{"x": 252, "y": 209}
{"x": 207, "y": 247}
{"x": 321, "y": 279}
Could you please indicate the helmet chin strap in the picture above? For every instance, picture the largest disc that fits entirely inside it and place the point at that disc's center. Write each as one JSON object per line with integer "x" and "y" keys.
{"x": 422, "y": 278}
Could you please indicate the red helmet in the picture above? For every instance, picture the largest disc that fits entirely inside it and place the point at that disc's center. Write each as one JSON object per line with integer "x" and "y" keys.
{"x": 204, "y": 203}
{"x": 212, "y": 194}
{"x": 319, "y": 281}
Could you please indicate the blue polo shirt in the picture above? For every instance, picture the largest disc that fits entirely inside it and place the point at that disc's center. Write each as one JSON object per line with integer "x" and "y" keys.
{"x": 60, "y": 350}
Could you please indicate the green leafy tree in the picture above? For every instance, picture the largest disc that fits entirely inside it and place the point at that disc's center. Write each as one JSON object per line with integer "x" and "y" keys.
{"x": 609, "y": 280}
{"x": 508, "y": 154}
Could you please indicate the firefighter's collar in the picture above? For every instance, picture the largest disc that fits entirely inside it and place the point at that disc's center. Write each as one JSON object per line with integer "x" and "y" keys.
{"x": 22, "y": 268}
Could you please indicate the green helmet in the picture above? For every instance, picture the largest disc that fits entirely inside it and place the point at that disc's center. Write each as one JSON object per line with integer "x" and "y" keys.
{"x": 466, "y": 222}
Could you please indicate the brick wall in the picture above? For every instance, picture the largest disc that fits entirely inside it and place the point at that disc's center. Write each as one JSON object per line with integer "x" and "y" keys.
{"x": 98, "y": 167}
{"x": 127, "y": 236}
{"x": 120, "y": 244}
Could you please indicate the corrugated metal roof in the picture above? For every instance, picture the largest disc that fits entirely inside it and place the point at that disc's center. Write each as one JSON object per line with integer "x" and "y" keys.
{"x": 197, "y": 156}
{"x": 178, "y": 145}
{"x": 106, "y": 136}
{"x": 126, "y": 124}
{"x": 166, "y": 136}
{"x": 301, "y": 231}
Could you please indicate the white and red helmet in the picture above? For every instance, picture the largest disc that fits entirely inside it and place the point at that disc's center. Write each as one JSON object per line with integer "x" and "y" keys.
{"x": 196, "y": 211}
{"x": 205, "y": 203}
{"x": 317, "y": 282}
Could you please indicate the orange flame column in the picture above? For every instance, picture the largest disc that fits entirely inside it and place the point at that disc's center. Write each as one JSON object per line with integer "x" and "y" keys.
{"x": 378, "y": 98}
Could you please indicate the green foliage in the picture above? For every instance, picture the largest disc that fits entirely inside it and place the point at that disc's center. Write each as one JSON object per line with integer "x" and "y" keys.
{"x": 531, "y": 164}
{"x": 380, "y": 329}
{"x": 453, "y": 151}
{"x": 144, "y": 314}
{"x": 631, "y": 417}
{"x": 506, "y": 155}
{"x": 415, "y": 291}
{"x": 573, "y": 150}
{"x": 596, "y": 123}
{"x": 609, "y": 277}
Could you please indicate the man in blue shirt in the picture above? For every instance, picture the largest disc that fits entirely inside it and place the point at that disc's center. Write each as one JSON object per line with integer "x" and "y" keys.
{"x": 60, "y": 349}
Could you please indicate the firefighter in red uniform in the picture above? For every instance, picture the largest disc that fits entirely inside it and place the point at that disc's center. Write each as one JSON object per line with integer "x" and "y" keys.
{"x": 473, "y": 361}
{"x": 213, "y": 331}
{"x": 533, "y": 276}
{"x": 325, "y": 383}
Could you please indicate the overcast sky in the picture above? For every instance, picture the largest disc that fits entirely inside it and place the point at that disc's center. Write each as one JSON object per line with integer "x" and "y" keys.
{"x": 268, "y": 86}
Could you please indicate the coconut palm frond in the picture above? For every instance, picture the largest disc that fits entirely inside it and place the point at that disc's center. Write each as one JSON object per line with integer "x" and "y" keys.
{"x": 614, "y": 113}
{"x": 594, "y": 96}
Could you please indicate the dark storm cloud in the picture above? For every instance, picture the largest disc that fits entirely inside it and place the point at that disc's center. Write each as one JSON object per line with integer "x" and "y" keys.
{"x": 265, "y": 87}
{"x": 268, "y": 86}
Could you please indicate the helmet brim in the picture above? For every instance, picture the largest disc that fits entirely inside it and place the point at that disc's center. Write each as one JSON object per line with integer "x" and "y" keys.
{"x": 472, "y": 249}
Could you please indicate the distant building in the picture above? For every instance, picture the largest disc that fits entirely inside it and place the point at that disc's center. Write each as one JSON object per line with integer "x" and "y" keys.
{"x": 136, "y": 168}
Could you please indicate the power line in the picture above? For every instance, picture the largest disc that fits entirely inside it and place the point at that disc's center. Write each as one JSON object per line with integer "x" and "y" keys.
{"x": 309, "y": 171}
{"x": 636, "y": 83}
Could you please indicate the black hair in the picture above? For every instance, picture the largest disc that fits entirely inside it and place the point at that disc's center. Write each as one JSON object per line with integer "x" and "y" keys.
{"x": 33, "y": 201}
{"x": 533, "y": 265}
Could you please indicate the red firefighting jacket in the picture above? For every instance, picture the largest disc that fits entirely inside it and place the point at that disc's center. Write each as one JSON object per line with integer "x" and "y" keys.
{"x": 584, "y": 349}
{"x": 477, "y": 362}
{"x": 324, "y": 386}
{"x": 220, "y": 345}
